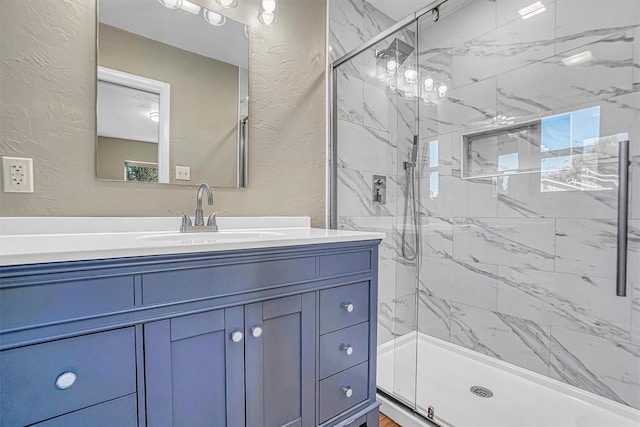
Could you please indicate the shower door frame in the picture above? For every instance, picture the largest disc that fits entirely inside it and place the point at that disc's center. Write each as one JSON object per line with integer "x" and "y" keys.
{"x": 333, "y": 100}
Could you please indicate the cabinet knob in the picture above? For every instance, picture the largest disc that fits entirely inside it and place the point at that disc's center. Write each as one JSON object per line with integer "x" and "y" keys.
{"x": 348, "y": 306}
{"x": 256, "y": 331}
{"x": 347, "y": 348}
{"x": 66, "y": 380}
{"x": 236, "y": 336}
{"x": 348, "y": 391}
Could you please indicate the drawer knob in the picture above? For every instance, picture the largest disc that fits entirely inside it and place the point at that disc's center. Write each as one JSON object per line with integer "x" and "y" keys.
{"x": 66, "y": 380}
{"x": 348, "y": 391}
{"x": 348, "y": 306}
{"x": 256, "y": 331}
{"x": 236, "y": 336}
{"x": 347, "y": 348}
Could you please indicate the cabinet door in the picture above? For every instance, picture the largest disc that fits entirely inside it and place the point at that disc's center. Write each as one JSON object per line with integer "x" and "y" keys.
{"x": 194, "y": 370}
{"x": 280, "y": 361}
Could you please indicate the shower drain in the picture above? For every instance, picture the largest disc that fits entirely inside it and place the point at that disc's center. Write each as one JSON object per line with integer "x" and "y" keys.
{"x": 481, "y": 391}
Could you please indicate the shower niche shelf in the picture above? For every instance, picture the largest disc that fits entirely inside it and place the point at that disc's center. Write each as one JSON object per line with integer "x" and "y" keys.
{"x": 504, "y": 151}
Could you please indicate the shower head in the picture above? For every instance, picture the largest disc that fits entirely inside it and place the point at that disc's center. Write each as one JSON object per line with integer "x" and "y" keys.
{"x": 398, "y": 50}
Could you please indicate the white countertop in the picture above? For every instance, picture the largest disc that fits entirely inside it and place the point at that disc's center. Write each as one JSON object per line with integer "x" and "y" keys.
{"x": 43, "y": 240}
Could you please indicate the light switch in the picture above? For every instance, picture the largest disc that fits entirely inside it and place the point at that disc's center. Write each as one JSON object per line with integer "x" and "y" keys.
{"x": 183, "y": 173}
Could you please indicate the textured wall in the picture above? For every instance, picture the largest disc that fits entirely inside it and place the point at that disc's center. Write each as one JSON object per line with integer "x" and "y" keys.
{"x": 113, "y": 152}
{"x": 47, "y": 111}
{"x": 204, "y": 102}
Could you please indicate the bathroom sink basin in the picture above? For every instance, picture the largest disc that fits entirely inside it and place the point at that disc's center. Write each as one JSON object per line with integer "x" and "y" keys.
{"x": 211, "y": 237}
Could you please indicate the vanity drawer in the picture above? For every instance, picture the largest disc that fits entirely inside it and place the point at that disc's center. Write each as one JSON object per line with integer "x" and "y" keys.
{"x": 207, "y": 282}
{"x": 335, "y": 304}
{"x": 334, "y": 349}
{"x": 49, "y": 302}
{"x": 345, "y": 263}
{"x": 334, "y": 397}
{"x": 32, "y": 376}
{"x": 121, "y": 412}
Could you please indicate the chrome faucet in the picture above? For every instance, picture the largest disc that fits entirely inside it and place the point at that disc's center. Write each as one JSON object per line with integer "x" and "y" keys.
{"x": 199, "y": 214}
{"x": 188, "y": 227}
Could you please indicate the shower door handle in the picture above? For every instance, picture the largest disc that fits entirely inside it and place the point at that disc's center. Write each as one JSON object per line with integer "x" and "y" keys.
{"x": 623, "y": 218}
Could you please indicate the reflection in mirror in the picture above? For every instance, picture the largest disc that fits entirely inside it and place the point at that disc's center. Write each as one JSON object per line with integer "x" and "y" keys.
{"x": 172, "y": 94}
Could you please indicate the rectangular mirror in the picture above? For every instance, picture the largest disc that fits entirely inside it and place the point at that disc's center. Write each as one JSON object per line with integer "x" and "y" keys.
{"x": 172, "y": 94}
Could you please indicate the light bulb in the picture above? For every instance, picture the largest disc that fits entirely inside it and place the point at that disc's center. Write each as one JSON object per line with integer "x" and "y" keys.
{"x": 227, "y": 4}
{"x": 392, "y": 65}
{"x": 411, "y": 75}
{"x": 269, "y": 5}
{"x": 442, "y": 91}
{"x": 155, "y": 116}
{"x": 171, "y": 4}
{"x": 428, "y": 84}
{"x": 267, "y": 19}
{"x": 214, "y": 18}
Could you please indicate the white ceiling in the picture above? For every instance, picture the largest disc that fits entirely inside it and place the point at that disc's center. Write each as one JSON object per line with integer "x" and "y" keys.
{"x": 399, "y": 9}
{"x": 148, "y": 18}
{"x": 123, "y": 112}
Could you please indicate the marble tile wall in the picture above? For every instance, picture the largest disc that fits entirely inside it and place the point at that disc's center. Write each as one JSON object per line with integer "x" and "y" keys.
{"x": 509, "y": 268}
{"x": 506, "y": 268}
{"x": 375, "y": 131}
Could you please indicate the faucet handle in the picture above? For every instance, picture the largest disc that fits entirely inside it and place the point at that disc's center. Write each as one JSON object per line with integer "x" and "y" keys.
{"x": 211, "y": 221}
{"x": 186, "y": 221}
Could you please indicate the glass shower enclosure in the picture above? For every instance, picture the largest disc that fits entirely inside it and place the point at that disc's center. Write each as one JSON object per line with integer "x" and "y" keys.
{"x": 495, "y": 144}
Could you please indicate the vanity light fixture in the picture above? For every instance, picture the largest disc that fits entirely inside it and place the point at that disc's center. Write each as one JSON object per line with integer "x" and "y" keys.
{"x": 578, "y": 58}
{"x": 213, "y": 18}
{"x": 171, "y": 4}
{"x": 268, "y": 13}
{"x": 227, "y": 4}
{"x": 532, "y": 10}
{"x": 192, "y": 8}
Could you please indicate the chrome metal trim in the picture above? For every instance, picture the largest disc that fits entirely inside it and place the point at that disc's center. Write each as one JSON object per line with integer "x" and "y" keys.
{"x": 333, "y": 148}
{"x": 623, "y": 218}
{"x": 388, "y": 32}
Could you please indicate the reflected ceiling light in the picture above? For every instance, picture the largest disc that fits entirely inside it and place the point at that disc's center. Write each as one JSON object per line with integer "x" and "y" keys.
{"x": 411, "y": 75}
{"x": 171, "y": 4}
{"x": 392, "y": 65}
{"x": 428, "y": 84}
{"x": 442, "y": 91}
{"x": 187, "y": 6}
{"x": 532, "y": 10}
{"x": 268, "y": 13}
{"x": 227, "y": 4}
{"x": 578, "y": 58}
{"x": 214, "y": 18}
{"x": 155, "y": 116}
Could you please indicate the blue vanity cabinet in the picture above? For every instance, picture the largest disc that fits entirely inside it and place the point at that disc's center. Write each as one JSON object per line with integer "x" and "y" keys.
{"x": 194, "y": 369}
{"x": 196, "y": 366}
{"x": 259, "y": 337}
{"x": 280, "y": 354}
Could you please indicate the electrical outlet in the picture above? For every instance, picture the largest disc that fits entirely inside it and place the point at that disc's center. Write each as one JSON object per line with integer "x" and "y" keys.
{"x": 183, "y": 173}
{"x": 17, "y": 175}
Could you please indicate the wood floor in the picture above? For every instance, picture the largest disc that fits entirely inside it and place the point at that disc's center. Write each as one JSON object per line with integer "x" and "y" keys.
{"x": 387, "y": 422}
